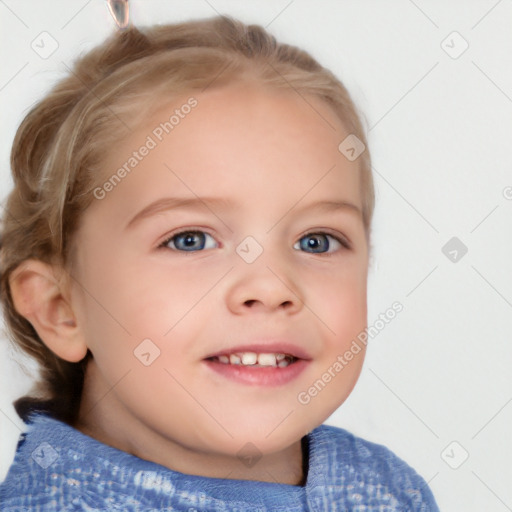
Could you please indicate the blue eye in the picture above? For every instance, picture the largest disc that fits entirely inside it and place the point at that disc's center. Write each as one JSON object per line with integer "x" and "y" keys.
{"x": 195, "y": 240}
{"x": 190, "y": 241}
{"x": 318, "y": 243}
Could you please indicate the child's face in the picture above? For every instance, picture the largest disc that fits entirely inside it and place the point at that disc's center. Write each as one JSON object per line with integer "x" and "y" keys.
{"x": 270, "y": 164}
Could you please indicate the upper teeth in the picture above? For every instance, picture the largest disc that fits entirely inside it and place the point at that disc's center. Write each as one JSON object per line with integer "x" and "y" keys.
{"x": 252, "y": 358}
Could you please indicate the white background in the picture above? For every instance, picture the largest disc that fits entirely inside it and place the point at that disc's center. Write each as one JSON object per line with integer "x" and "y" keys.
{"x": 440, "y": 132}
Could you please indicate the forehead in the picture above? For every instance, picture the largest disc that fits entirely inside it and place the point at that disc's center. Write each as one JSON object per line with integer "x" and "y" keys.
{"x": 242, "y": 140}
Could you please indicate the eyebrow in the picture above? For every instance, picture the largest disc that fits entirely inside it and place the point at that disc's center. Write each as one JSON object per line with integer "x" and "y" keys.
{"x": 330, "y": 206}
{"x": 173, "y": 203}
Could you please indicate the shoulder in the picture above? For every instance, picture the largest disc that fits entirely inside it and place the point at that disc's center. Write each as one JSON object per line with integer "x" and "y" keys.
{"x": 370, "y": 471}
{"x": 48, "y": 468}
{"x": 36, "y": 453}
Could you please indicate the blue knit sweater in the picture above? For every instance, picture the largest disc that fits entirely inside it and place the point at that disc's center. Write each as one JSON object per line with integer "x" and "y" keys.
{"x": 57, "y": 468}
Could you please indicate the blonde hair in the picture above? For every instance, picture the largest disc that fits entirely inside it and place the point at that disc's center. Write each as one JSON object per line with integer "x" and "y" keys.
{"x": 59, "y": 147}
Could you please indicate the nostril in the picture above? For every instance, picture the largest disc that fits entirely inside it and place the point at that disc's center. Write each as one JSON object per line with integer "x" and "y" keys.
{"x": 286, "y": 304}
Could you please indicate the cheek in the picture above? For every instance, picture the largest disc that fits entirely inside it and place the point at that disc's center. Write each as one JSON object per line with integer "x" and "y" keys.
{"x": 168, "y": 291}
{"x": 108, "y": 306}
{"x": 339, "y": 299}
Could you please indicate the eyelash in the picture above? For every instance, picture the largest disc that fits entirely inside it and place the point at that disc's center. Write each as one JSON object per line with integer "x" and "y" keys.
{"x": 345, "y": 244}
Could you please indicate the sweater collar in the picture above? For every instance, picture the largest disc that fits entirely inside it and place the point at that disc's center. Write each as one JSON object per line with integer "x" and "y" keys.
{"x": 75, "y": 452}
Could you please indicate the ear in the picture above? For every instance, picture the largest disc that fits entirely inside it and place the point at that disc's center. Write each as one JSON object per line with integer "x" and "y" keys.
{"x": 42, "y": 298}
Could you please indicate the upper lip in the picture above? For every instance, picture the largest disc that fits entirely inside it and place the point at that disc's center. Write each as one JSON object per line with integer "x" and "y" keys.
{"x": 275, "y": 347}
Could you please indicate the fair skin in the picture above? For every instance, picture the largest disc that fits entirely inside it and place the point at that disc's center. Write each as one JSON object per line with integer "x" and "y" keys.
{"x": 269, "y": 156}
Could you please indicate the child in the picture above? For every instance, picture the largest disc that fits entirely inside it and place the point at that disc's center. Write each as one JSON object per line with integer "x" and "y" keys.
{"x": 185, "y": 253}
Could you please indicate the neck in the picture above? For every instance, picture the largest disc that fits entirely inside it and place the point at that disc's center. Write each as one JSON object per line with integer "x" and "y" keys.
{"x": 106, "y": 419}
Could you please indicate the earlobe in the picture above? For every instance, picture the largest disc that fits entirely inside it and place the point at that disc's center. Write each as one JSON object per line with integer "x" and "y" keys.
{"x": 40, "y": 298}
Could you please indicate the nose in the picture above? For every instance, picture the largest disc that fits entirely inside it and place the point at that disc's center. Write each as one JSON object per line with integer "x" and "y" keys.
{"x": 263, "y": 289}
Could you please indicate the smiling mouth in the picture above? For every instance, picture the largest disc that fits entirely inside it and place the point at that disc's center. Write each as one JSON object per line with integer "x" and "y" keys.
{"x": 255, "y": 360}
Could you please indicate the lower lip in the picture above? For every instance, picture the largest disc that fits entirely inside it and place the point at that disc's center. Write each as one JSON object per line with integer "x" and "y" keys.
{"x": 259, "y": 376}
